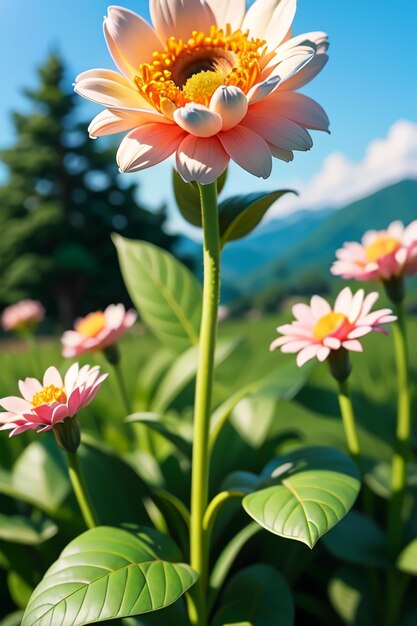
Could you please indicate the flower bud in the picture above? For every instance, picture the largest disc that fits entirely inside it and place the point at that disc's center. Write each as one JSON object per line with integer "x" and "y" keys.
{"x": 67, "y": 434}
{"x": 339, "y": 364}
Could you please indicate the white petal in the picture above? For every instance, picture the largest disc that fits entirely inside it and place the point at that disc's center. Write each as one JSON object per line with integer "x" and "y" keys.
{"x": 307, "y": 353}
{"x": 179, "y": 18}
{"x": 52, "y": 377}
{"x": 270, "y": 20}
{"x": 261, "y": 90}
{"x": 228, "y": 12}
{"x": 343, "y": 301}
{"x": 231, "y": 104}
{"x": 131, "y": 41}
{"x": 353, "y": 345}
{"x": 319, "y": 306}
{"x": 29, "y": 387}
{"x": 201, "y": 160}
{"x": 147, "y": 146}
{"x": 305, "y": 74}
{"x": 112, "y": 121}
{"x": 71, "y": 378}
{"x": 317, "y": 39}
{"x": 198, "y": 120}
{"x": 109, "y": 89}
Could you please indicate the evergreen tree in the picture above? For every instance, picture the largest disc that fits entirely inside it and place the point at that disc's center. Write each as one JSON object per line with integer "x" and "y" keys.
{"x": 62, "y": 200}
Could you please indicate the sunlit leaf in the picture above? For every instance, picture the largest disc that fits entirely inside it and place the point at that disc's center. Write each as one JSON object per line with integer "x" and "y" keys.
{"x": 20, "y": 529}
{"x": 164, "y": 291}
{"x": 107, "y": 573}
{"x": 239, "y": 215}
{"x": 407, "y": 561}
{"x": 304, "y": 493}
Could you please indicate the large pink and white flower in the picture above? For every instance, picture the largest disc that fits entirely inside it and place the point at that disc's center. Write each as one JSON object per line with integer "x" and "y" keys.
{"x": 319, "y": 329}
{"x": 208, "y": 81}
{"x": 45, "y": 404}
{"x": 382, "y": 254}
{"x": 98, "y": 330}
{"x": 23, "y": 315}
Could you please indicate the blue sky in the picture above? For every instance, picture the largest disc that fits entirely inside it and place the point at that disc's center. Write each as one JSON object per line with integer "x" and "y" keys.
{"x": 369, "y": 84}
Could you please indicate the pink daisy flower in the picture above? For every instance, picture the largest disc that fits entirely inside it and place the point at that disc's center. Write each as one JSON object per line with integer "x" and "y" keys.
{"x": 44, "y": 405}
{"x": 318, "y": 329}
{"x": 97, "y": 330}
{"x": 23, "y": 315}
{"x": 208, "y": 82}
{"x": 383, "y": 254}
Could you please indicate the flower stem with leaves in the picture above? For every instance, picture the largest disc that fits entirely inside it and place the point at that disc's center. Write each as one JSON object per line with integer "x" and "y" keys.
{"x": 203, "y": 400}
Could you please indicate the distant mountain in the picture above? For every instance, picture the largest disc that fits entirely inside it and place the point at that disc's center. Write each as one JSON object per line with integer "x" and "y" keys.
{"x": 316, "y": 251}
{"x": 294, "y": 250}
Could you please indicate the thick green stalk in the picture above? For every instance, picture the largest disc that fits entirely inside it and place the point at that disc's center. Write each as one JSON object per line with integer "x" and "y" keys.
{"x": 403, "y": 434}
{"x": 80, "y": 490}
{"x": 348, "y": 418}
{"x": 203, "y": 396}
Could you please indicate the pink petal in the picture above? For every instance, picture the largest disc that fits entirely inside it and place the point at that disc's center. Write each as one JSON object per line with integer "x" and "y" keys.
{"x": 71, "y": 377}
{"x": 303, "y": 313}
{"x": 29, "y": 387}
{"x": 59, "y": 414}
{"x": 319, "y": 307}
{"x": 270, "y": 20}
{"x": 353, "y": 345}
{"x": 52, "y": 377}
{"x": 281, "y": 132}
{"x": 147, "y": 146}
{"x": 114, "y": 315}
{"x": 307, "y": 354}
{"x": 360, "y": 331}
{"x": 179, "y": 18}
{"x": 228, "y": 12}
{"x": 300, "y": 109}
{"x": 131, "y": 41}
{"x": 201, "y": 160}
{"x": 332, "y": 342}
{"x": 112, "y": 121}
{"x": 41, "y": 414}
{"x": 109, "y": 89}
{"x": 344, "y": 301}
{"x": 198, "y": 120}
{"x": 74, "y": 402}
{"x": 323, "y": 353}
{"x": 307, "y": 73}
{"x": 14, "y": 404}
{"x": 294, "y": 346}
{"x": 248, "y": 150}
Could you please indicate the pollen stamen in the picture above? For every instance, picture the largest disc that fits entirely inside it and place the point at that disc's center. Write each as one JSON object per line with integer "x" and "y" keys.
{"x": 190, "y": 71}
{"x": 49, "y": 395}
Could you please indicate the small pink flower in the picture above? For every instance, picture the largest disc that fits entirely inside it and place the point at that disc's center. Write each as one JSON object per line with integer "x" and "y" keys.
{"x": 22, "y": 315}
{"x": 318, "y": 329}
{"x": 44, "y": 405}
{"x": 97, "y": 330}
{"x": 383, "y": 254}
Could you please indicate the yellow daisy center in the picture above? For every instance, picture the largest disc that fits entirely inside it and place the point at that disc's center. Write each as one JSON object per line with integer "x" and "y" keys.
{"x": 192, "y": 70}
{"x": 91, "y": 325}
{"x": 328, "y": 325}
{"x": 49, "y": 395}
{"x": 382, "y": 246}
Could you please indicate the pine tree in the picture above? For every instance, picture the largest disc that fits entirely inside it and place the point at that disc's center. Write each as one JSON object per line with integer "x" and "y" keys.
{"x": 62, "y": 199}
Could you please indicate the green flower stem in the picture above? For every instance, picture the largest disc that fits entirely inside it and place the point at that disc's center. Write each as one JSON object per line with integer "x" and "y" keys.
{"x": 348, "y": 418}
{"x": 214, "y": 508}
{"x": 80, "y": 490}
{"x": 403, "y": 434}
{"x": 203, "y": 395}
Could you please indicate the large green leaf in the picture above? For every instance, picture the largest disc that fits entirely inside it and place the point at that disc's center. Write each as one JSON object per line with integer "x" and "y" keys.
{"x": 187, "y": 197}
{"x": 407, "y": 561}
{"x": 358, "y": 539}
{"x": 239, "y": 215}
{"x": 164, "y": 291}
{"x": 19, "y": 529}
{"x": 108, "y": 573}
{"x": 305, "y": 493}
{"x": 257, "y": 596}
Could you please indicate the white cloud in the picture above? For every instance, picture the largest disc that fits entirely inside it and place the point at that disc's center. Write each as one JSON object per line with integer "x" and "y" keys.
{"x": 342, "y": 181}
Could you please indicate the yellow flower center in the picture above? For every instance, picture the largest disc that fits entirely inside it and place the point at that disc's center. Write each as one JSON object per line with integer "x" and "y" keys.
{"x": 382, "y": 246}
{"x": 49, "y": 395}
{"x": 328, "y": 325}
{"x": 91, "y": 325}
{"x": 192, "y": 70}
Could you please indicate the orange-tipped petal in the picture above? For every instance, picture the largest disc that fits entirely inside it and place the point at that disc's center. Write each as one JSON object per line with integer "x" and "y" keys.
{"x": 248, "y": 150}
{"x": 270, "y": 20}
{"x": 201, "y": 160}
